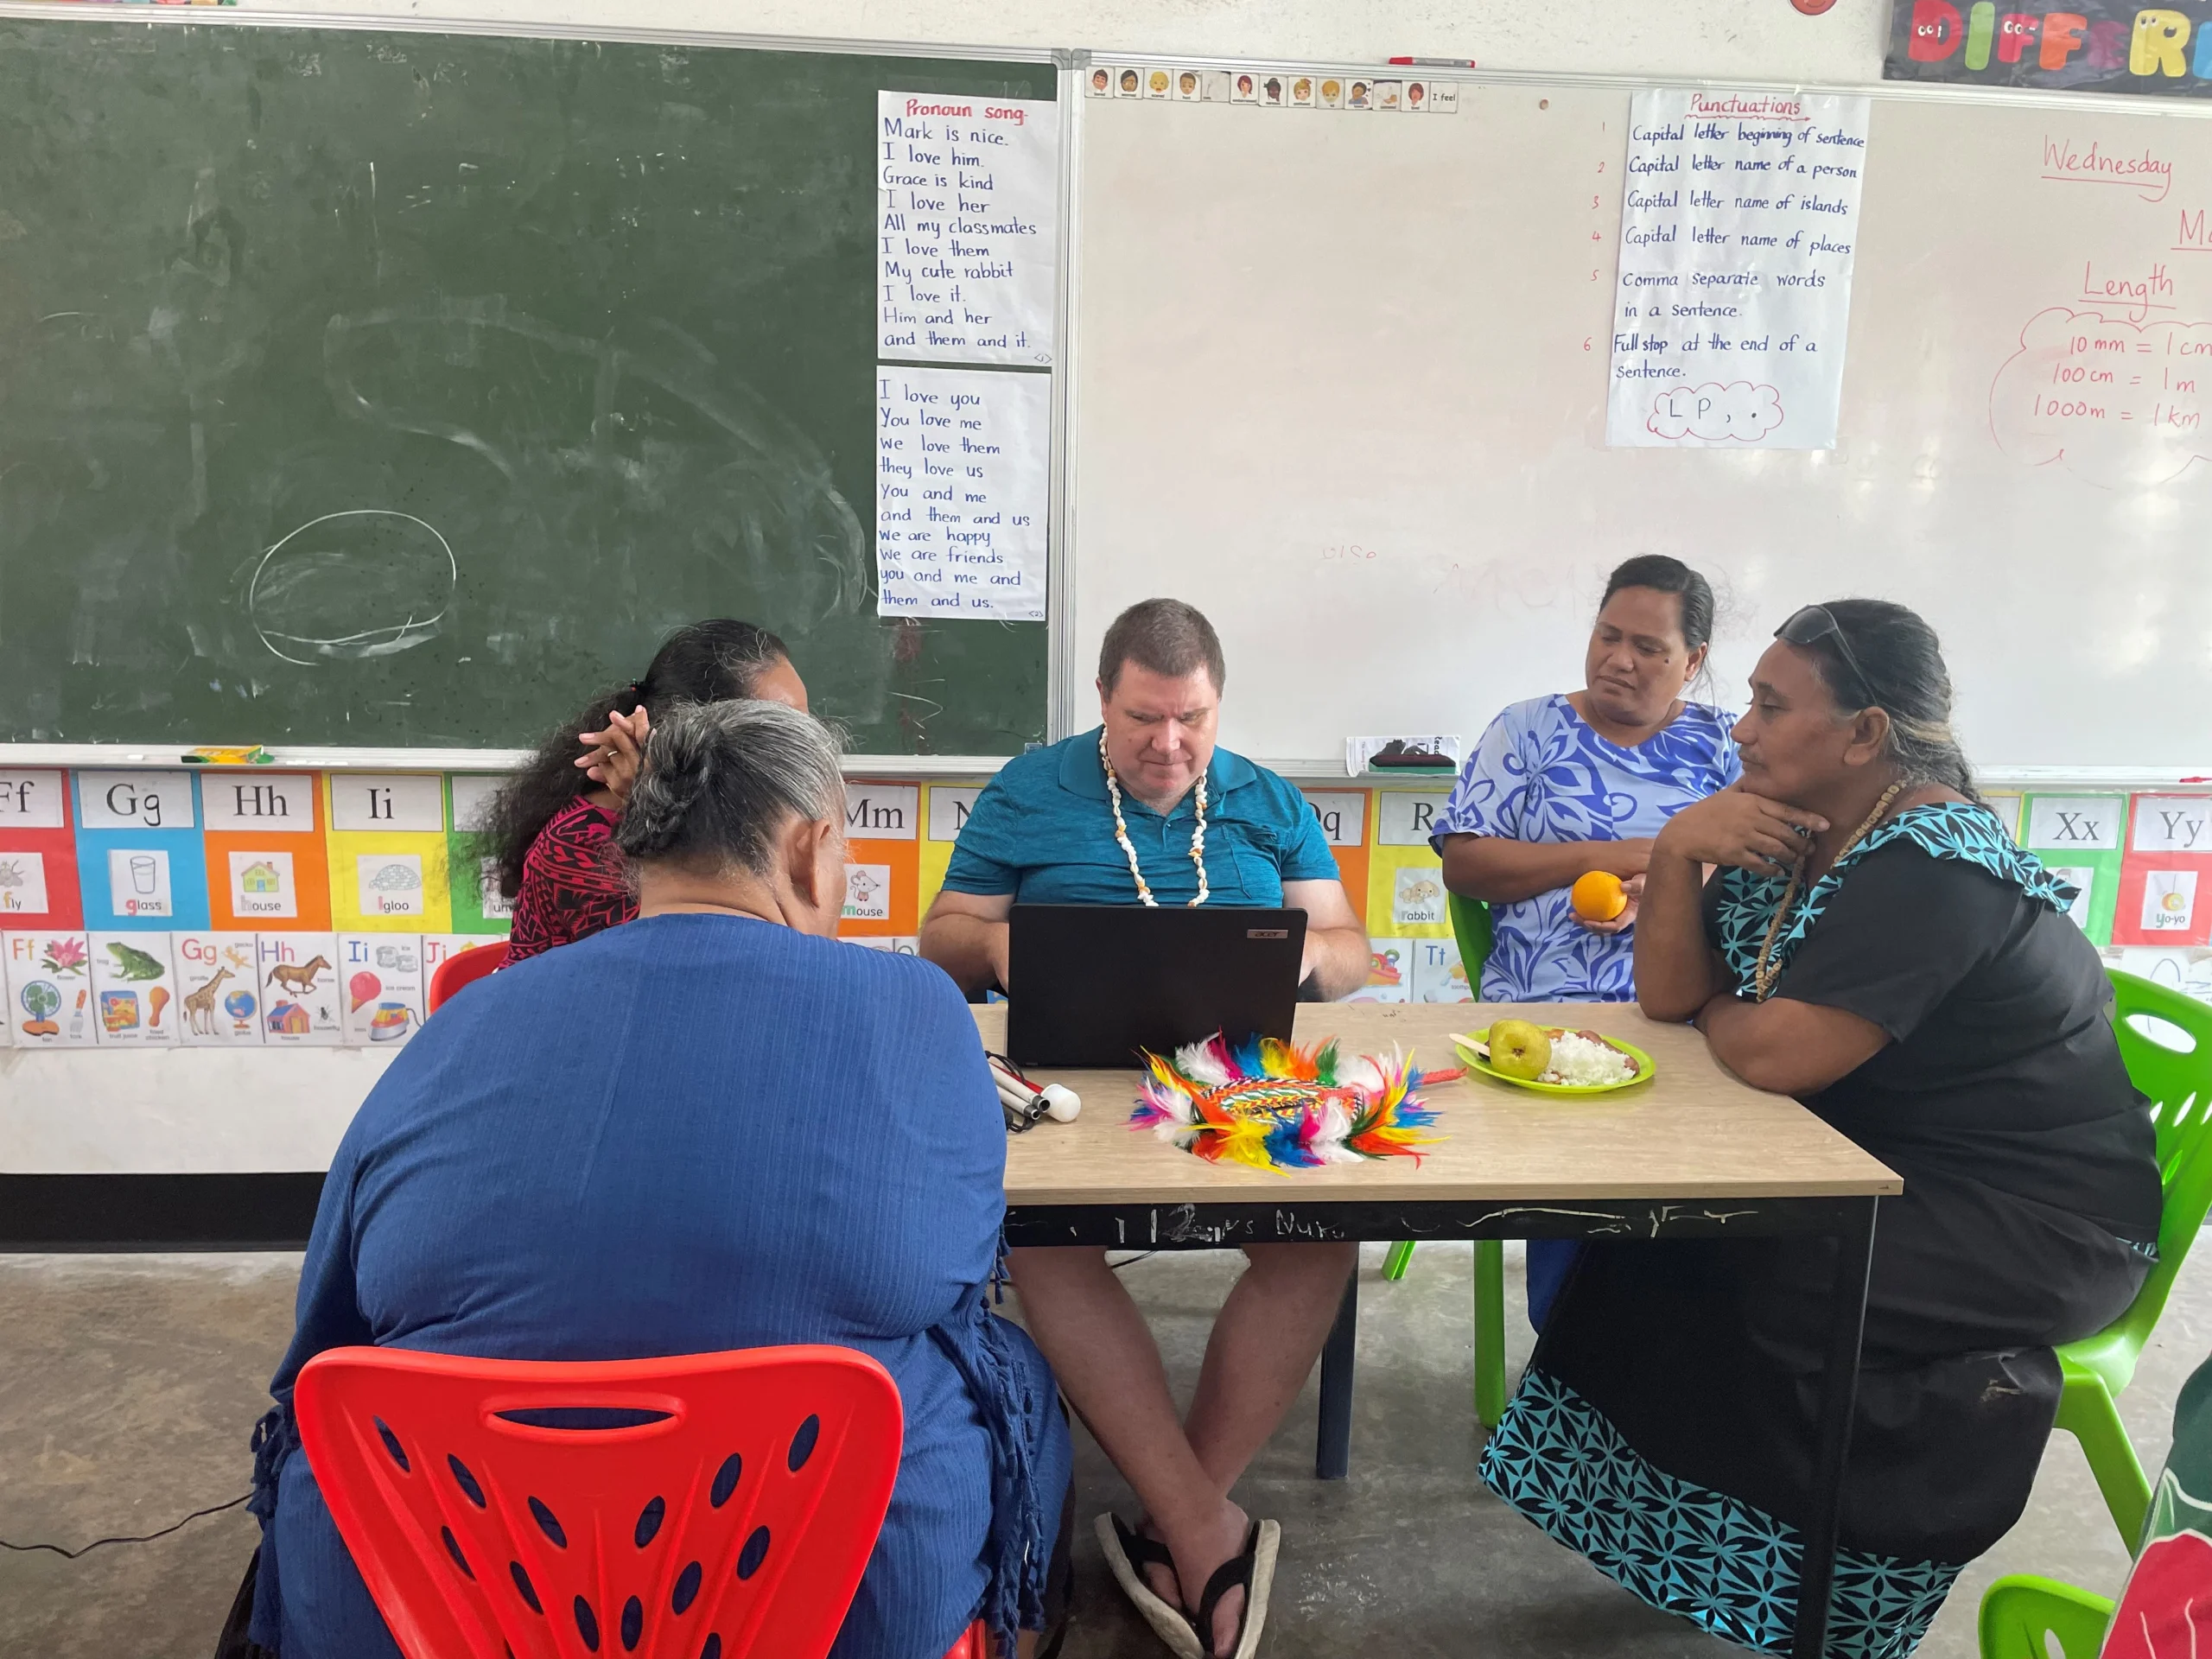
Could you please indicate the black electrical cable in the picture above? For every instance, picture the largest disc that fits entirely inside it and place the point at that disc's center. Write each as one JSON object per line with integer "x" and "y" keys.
{"x": 72, "y": 1554}
{"x": 1131, "y": 1262}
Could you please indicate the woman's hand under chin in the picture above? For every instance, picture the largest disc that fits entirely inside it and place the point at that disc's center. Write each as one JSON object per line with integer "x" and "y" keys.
{"x": 1741, "y": 828}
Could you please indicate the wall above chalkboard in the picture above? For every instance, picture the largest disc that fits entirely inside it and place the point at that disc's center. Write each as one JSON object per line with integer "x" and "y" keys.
{"x": 403, "y": 389}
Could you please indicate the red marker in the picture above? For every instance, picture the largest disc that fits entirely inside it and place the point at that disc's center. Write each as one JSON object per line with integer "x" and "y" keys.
{"x": 1434, "y": 63}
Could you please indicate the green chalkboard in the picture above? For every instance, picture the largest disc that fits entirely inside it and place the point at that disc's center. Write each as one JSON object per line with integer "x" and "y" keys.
{"x": 402, "y": 389}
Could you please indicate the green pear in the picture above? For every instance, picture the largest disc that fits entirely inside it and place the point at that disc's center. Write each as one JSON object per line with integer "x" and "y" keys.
{"x": 1518, "y": 1048}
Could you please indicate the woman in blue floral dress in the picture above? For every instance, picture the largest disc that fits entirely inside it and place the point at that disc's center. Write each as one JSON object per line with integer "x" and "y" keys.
{"x": 1580, "y": 781}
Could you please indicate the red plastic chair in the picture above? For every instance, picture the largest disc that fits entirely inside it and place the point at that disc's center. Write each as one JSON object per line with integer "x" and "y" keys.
{"x": 730, "y": 1514}
{"x": 464, "y": 968}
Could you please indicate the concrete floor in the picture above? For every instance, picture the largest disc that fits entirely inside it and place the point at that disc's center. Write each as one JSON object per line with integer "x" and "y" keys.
{"x": 128, "y": 1385}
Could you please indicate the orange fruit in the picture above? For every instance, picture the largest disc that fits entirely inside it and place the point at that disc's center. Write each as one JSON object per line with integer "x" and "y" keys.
{"x": 1599, "y": 896}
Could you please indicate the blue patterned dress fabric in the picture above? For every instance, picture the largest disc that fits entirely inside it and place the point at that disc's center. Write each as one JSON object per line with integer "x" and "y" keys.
{"x": 1686, "y": 1549}
{"x": 1541, "y": 773}
{"x": 1970, "y": 834}
{"x": 1664, "y": 1427}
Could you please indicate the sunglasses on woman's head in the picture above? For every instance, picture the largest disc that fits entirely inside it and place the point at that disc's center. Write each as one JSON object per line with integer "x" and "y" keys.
{"x": 1815, "y": 623}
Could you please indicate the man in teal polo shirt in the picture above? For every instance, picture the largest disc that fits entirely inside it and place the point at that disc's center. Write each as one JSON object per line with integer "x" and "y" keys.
{"x": 1148, "y": 809}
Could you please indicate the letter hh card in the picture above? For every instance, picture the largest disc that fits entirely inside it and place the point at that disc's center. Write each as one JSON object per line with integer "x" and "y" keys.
{"x": 300, "y": 990}
{"x": 267, "y": 868}
{"x": 1739, "y": 219}
{"x": 968, "y": 193}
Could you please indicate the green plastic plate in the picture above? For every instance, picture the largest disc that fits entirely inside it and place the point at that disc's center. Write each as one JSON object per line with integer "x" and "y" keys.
{"x": 1645, "y": 1068}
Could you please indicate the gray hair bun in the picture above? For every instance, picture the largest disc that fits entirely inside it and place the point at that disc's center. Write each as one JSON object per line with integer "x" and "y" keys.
{"x": 722, "y": 780}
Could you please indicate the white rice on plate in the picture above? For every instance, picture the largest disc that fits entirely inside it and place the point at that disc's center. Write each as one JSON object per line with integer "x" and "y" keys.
{"x": 1580, "y": 1063}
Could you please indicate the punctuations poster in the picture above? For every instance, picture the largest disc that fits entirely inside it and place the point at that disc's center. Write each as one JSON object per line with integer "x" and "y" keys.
{"x": 968, "y": 210}
{"x": 1739, "y": 223}
{"x": 962, "y": 486}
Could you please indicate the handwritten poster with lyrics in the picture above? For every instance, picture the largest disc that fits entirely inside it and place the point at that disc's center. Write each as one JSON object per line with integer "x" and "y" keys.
{"x": 1739, "y": 223}
{"x": 967, "y": 207}
{"x": 963, "y": 484}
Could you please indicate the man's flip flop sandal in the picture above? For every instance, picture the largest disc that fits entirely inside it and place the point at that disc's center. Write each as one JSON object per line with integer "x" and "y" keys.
{"x": 1128, "y": 1553}
{"x": 1254, "y": 1572}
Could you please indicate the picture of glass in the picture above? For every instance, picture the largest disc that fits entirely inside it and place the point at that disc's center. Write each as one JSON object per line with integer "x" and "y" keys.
{"x": 138, "y": 881}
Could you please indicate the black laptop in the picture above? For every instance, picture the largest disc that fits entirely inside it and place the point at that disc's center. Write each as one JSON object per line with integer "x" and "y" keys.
{"x": 1094, "y": 983}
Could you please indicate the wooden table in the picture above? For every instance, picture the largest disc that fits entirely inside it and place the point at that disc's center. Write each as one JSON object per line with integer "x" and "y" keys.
{"x": 1692, "y": 1153}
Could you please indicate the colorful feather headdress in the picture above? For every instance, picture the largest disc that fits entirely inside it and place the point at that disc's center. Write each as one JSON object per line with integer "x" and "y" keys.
{"x": 1274, "y": 1106}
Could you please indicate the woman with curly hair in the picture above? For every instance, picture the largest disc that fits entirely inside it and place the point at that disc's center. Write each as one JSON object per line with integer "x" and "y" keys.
{"x": 552, "y": 828}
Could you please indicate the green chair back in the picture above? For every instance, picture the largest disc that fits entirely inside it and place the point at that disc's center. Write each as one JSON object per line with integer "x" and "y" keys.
{"x": 2029, "y": 1618}
{"x": 1470, "y": 927}
{"x": 2178, "y": 1082}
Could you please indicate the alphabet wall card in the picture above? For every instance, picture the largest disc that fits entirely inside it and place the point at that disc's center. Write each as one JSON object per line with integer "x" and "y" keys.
{"x": 134, "y": 989}
{"x": 1405, "y": 877}
{"x": 2186, "y": 969}
{"x": 2160, "y": 51}
{"x": 2081, "y": 835}
{"x": 967, "y": 213}
{"x": 381, "y": 978}
{"x": 1438, "y": 975}
{"x": 2006, "y": 805}
{"x": 141, "y": 863}
{"x": 1739, "y": 220}
{"x": 1390, "y": 972}
{"x": 2167, "y": 873}
{"x": 300, "y": 989}
{"x": 267, "y": 865}
{"x": 33, "y": 800}
{"x": 387, "y": 852}
{"x": 478, "y": 906}
{"x": 219, "y": 997}
{"x": 963, "y": 484}
{"x": 38, "y": 852}
{"x": 49, "y": 979}
{"x": 883, "y": 829}
{"x": 944, "y": 810}
{"x": 1342, "y": 814}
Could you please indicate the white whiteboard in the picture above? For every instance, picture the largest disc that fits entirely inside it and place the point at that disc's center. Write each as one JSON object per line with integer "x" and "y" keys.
{"x": 1302, "y": 332}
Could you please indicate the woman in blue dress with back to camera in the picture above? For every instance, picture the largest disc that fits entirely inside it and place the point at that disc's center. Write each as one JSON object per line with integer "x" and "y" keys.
{"x": 1579, "y": 781}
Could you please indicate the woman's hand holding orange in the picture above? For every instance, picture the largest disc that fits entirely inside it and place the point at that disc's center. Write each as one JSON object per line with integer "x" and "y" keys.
{"x": 1739, "y": 827}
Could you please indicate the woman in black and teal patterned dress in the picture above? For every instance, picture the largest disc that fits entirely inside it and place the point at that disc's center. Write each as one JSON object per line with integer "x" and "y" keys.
{"x": 1875, "y": 944}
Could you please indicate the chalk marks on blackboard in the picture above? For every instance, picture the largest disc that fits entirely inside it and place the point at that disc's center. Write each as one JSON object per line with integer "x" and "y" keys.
{"x": 365, "y": 583}
{"x": 605, "y": 433}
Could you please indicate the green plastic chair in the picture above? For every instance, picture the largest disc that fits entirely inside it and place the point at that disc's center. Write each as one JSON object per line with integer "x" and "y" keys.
{"x": 2023, "y": 1617}
{"x": 1471, "y": 926}
{"x": 2179, "y": 1085}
